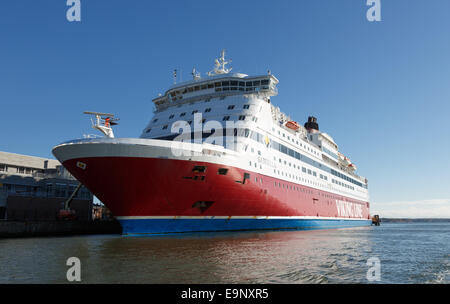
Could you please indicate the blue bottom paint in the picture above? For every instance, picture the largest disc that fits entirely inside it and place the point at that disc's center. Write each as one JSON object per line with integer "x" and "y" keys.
{"x": 161, "y": 226}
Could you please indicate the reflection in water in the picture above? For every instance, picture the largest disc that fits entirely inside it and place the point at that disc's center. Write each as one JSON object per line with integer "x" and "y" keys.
{"x": 319, "y": 256}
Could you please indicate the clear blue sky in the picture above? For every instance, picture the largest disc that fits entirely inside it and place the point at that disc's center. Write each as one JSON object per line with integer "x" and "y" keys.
{"x": 381, "y": 89}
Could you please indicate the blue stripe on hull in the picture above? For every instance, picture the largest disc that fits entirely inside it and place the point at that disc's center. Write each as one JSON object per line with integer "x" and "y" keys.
{"x": 159, "y": 226}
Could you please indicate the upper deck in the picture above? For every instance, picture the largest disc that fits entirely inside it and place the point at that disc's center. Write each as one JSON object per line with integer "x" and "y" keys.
{"x": 215, "y": 86}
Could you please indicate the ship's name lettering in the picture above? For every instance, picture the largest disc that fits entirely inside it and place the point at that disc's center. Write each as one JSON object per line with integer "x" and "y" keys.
{"x": 347, "y": 209}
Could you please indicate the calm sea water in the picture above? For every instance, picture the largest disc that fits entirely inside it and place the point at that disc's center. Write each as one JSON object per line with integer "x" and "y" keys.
{"x": 408, "y": 253}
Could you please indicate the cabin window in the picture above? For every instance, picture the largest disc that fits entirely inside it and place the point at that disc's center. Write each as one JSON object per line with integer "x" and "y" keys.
{"x": 248, "y": 83}
{"x": 199, "y": 169}
{"x": 231, "y": 107}
{"x": 246, "y": 106}
{"x": 191, "y": 89}
{"x": 207, "y": 110}
{"x": 147, "y": 131}
{"x": 171, "y": 116}
{"x": 225, "y": 83}
{"x": 217, "y": 84}
{"x": 155, "y": 120}
{"x": 196, "y": 88}
{"x": 242, "y": 117}
{"x": 234, "y": 83}
{"x": 182, "y": 114}
{"x": 165, "y": 127}
{"x": 210, "y": 86}
{"x": 222, "y": 171}
{"x": 256, "y": 83}
{"x": 195, "y": 111}
{"x": 265, "y": 82}
{"x": 204, "y": 87}
{"x": 225, "y": 118}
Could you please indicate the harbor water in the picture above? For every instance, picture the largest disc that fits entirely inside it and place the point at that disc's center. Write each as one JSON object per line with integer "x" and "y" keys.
{"x": 407, "y": 253}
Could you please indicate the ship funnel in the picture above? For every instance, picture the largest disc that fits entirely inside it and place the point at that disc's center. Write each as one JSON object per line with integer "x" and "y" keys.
{"x": 312, "y": 124}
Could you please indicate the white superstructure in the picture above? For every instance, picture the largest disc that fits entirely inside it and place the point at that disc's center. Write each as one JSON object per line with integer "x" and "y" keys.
{"x": 271, "y": 144}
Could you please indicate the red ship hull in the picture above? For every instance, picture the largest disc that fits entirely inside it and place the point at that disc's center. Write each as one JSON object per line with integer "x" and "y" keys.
{"x": 138, "y": 189}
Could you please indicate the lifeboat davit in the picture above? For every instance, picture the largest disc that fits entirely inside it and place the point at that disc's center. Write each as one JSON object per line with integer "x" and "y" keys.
{"x": 292, "y": 125}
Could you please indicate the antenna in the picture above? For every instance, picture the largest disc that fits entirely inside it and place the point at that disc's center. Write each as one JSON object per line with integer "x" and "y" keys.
{"x": 195, "y": 74}
{"x": 103, "y": 122}
{"x": 175, "y": 76}
{"x": 219, "y": 65}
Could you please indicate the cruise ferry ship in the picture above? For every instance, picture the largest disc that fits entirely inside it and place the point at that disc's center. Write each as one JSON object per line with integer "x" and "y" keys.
{"x": 219, "y": 155}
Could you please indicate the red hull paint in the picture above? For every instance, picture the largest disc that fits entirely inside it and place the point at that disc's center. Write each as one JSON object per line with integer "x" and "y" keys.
{"x": 165, "y": 187}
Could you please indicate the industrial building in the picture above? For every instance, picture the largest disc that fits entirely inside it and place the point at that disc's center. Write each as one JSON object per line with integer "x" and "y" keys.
{"x": 35, "y": 188}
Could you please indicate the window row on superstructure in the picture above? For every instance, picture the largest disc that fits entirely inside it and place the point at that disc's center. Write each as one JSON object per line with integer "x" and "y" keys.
{"x": 270, "y": 143}
{"x": 155, "y": 123}
{"x": 225, "y": 85}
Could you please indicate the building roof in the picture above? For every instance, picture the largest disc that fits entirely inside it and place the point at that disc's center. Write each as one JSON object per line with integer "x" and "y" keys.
{"x": 20, "y": 160}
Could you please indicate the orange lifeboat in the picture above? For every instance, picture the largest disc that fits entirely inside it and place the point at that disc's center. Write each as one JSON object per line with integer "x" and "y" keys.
{"x": 292, "y": 125}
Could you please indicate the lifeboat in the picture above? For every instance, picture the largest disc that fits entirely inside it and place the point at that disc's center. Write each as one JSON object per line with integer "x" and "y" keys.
{"x": 352, "y": 167}
{"x": 347, "y": 161}
{"x": 344, "y": 159}
{"x": 292, "y": 125}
